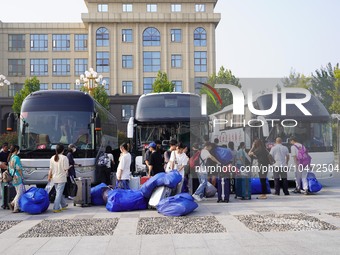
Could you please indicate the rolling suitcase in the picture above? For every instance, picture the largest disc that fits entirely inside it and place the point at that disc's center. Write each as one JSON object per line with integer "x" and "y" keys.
{"x": 243, "y": 188}
{"x": 223, "y": 189}
{"x": 9, "y": 195}
{"x": 143, "y": 179}
{"x": 83, "y": 196}
{"x": 158, "y": 194}
{"x": 134, "y": 182}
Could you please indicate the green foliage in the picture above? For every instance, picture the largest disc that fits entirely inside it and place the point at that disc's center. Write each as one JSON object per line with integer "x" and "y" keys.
{"x": 162, "y": 84}
{"x": 30, "y": 85}
{"x": 335, "y": 94}
{"x": 297, "y": 80}
{"x": 224, "y": 76}
{"x": 10, "y": 138}
{"x": 322, "y": 84}
{"x": 121, "y": 137}
{"x": 100, "y": 95}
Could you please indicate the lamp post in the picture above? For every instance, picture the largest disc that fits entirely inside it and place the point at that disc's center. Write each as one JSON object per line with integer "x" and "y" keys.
{"x": 91, "y": 80}
{"x": 4, "y": 81}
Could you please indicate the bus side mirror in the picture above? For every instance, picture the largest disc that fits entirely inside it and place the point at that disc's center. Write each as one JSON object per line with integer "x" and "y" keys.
{"x": 130, "y": 128}
{"x": 97, "y": 123}
{"x": 10, "y": 122}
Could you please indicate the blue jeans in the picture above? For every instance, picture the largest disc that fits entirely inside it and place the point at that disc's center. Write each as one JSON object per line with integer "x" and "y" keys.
{"x": 203, "y": 179}
{"x": 59, "y": 201}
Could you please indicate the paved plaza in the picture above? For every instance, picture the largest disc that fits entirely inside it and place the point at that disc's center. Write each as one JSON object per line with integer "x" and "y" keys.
{"x": 295, "y": 224}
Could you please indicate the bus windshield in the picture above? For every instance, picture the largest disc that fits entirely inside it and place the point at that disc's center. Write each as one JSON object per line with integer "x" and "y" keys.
{"x": 41, "y": 130}
{"x": 316, "y": 136}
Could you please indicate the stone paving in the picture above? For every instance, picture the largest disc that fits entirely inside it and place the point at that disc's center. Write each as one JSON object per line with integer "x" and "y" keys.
{"x": 213, "y": 228}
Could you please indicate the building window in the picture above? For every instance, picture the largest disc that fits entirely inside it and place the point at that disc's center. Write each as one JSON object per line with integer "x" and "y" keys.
{"x": 61, "y": 42}
{"x": 176, "y": 8}
{"x": 200, "y": 61}
{"x": 39, "y": 43}
{"x": 39, "y": 67}
{"x": 176, "y": 61}
{"x": 197, "y": 85}
{"x": 147, "y": 84}
{"x": 16, "y": 67}
{"x": 102, "y": 62}
{"x": 102, "y": 36}
{"x": 151, "y": 7}
{"x": 127, "y": 7}
{"x": 151, "y": 37}
{"x": 80, "y": 42}
{"x": 61, "y": 66}
{"x": 151, "y": 61}
{"x": 80, "y": 66}
{"x": 127, "y": 87}
{"x": 127, "y": 61}
{"x": 127, "y": 35}
{"x": 103, "y": 8}
{"x": 178, "y": 86}
{"x": 43, "y": 86}
{"x": 200, "y": 37}
{"x": 14, "y": 89}
{"x": 200, "y": 7}
{"x": 16, "y": 42}
{"x": 176, "y": 35}
{"x": 60, "y": 86}
{"x": 127, "y": 111}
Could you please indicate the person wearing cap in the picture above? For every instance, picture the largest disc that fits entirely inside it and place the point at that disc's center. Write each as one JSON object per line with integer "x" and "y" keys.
{"x": 155, "y": 160}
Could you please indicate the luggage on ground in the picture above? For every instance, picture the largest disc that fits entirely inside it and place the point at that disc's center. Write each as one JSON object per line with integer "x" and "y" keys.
{"x": 9, "y": 195}
{"x": 50, "y": 189}
{"x": 256, "y": 187}
{"x": 179, "y": 205}
{"x": 34, "y": 201}
{"x": 143, "y": 179}
{"x": 223, "y": 189}
{"x": 120, "y": 200}
{"x": 158, "y": 194}
{"x": 313, "y": 184}
{"x": 83, "y": 196}
{"x": 134, "y": 182}
{"x": 243, "y": 188}
{"x": 105, "y": 192}
{"x": 210, "y": 190}
{"x": 97, "y": 194}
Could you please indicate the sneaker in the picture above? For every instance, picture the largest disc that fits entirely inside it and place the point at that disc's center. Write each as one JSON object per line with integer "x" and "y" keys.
{"x": 64, "y": 208}
{"x": 204, "y": 198}
{"x": 306, "y": 192}
{"x": 70, "y": 198}
{"x": 262, "y": 197}
{"x": 296, "y": 191}
{"x": 57, "y": 211}
{"x": 197, "y": 197}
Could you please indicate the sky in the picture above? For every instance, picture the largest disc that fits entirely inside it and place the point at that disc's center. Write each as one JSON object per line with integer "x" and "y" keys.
{"x": 254, "y": 39}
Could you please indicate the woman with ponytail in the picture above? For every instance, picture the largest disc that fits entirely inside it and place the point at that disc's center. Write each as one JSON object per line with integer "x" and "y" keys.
{"x": 59, "y": 167}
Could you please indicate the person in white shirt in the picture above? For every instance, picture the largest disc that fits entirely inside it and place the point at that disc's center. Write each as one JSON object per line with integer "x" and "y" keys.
{"x": 123, "y": 169}
{"x": 300, "y": 172}
{"x": 178, "y": 159}
{"x": 280, "y": 154}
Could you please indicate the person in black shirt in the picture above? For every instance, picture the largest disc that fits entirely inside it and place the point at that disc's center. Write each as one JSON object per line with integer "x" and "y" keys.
{"x": 4, "y": 156}
{"x": 155, "y": 160}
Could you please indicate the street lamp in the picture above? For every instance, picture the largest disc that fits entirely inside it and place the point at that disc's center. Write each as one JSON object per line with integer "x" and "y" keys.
{"x": 91, "y": 79}
{"x": 3, "y": 80}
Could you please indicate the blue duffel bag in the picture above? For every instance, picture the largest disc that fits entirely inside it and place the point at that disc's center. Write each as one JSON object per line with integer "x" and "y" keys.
{"x": 256, "y": 187}
{"x": 313, "y": 184}
{"x": 178, "y": 205}
{"x": 170, "y": 180}
{"x": 119, "y": 200}
{"x": 34, "y": 201}
{"x": 97, "y": 194}
{"x": 222, "y": 154}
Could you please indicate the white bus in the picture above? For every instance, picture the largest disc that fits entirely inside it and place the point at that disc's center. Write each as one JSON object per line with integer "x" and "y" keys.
{"x": 314, "y": 131}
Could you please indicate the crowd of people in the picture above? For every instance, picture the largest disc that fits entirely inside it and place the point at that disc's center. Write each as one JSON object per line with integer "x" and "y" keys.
{"x": 62, "y": 168}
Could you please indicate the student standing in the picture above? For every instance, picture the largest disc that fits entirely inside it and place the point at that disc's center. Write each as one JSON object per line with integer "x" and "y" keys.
{"x": 123, "y": 169}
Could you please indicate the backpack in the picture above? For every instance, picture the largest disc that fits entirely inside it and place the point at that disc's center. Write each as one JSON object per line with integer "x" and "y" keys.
{"x": 103, "y": 159}
{"x": 195, "y": 159}
{"x": 302, "y": 156}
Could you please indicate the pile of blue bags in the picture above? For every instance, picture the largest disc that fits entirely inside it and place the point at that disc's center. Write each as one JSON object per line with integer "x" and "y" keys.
{"x": 119, "y": 200}
{"x": 34, "y": 201}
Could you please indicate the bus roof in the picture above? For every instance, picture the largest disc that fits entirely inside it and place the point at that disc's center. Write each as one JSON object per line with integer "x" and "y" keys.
{"x": 63, "y": 100}
{"x": 169, "y": 107}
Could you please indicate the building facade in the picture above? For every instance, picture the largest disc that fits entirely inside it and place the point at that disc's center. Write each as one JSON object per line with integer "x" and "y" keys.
{"x": 127, "y": 42}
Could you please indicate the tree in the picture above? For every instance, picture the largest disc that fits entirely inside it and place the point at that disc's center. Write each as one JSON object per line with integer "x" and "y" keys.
{"x": 30, "y": 85}
{"x": 335, "y": 94}
{"x": 322, "y": 83}
{"x": 162, "y": 84}
{"x": 99, "y": 94}
{"x": 224, "y": 76}
{"x": 296, "y": 80}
